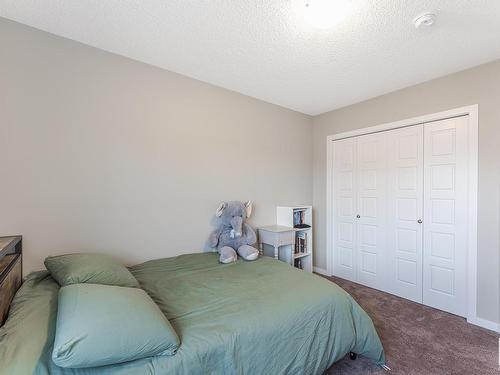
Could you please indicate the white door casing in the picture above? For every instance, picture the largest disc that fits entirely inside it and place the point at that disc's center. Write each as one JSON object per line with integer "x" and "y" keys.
{"x": 446, "y": 215}
{"x": 371, "y": 229}
{"x": 405, "y": 151}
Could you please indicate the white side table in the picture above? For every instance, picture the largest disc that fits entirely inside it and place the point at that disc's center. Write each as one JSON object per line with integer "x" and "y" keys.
{"x": 276, "y": 236}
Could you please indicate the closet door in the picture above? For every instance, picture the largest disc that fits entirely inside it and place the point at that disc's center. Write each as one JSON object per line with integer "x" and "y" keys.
{"x": 405, "y": 155}
{"x": 445, "y": 214}
{"x": 370, "y": 217}
{"x": 344, "y": 195}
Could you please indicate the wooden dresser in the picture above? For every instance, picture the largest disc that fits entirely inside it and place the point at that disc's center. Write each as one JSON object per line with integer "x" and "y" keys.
{"x": 11, "y": 271}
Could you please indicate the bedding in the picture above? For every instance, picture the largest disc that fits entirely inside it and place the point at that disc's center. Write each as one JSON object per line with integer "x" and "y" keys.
{"x": 126, "y": 325}
{"x": 261, "y": 317}
{"x": 90, "y": 268}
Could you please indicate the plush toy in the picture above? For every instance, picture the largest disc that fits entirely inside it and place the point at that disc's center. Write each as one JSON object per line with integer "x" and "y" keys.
{"x": 233, "y": 234}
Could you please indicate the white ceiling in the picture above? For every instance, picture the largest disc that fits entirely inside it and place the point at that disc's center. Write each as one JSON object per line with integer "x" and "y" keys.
{"x": 266, "y": 50}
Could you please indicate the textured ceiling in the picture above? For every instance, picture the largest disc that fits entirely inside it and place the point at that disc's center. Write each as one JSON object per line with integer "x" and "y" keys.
{"x": 266, "y": 50}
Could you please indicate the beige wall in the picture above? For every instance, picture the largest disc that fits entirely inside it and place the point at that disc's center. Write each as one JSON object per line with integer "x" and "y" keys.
{"x": 481, "y": 86}
{"x": 102, "y": 153}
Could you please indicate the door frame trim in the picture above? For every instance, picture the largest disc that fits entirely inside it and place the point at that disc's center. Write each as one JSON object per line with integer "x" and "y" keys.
{"x": 473, "y": 112}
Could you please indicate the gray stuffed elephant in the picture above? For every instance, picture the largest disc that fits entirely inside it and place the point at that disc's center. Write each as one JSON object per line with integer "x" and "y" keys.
{"x": 233, "y": 234}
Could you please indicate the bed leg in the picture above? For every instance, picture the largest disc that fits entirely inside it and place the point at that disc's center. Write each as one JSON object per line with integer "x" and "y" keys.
{"x": 353, "y": 356}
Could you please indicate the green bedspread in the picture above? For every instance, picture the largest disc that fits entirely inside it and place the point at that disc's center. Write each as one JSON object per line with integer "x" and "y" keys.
{"x": 261, "y": 317}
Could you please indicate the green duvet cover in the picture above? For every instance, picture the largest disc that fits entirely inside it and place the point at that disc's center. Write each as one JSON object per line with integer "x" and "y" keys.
{"x": 262, "y": 317}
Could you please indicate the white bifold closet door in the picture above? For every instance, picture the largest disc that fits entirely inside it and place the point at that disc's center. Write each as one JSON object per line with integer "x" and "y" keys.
{"x": 400, "y": 212}
{"x": 405, "y": 155}
{"x": 359, "y": 193}
{"x": 371, "y": 216}
{"x": 345, "y": 203}
{"x": 446, "y": 215}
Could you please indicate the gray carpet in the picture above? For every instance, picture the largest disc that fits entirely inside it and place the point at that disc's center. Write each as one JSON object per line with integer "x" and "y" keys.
{"x": 420, "y": 340}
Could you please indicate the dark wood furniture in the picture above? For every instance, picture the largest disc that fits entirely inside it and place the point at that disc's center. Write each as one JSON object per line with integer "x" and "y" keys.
{"x": 11, "y": 271}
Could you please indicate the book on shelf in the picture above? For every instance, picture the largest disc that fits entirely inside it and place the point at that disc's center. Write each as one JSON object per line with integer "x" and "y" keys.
{"x": 300, "y": 242}
{"x": 299, "y": 217}
{"x": 298, "y": 263}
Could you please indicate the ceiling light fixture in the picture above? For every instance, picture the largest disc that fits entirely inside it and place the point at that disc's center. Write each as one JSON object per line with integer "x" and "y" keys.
{"x": 424, "y": 20}
{"x": 326, "y": 13}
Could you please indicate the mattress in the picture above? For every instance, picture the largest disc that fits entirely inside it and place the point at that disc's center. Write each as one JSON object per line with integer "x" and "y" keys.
{"x": 261, "y": 317}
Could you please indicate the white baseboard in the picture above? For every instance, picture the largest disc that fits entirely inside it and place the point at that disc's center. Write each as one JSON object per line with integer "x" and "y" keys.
{"x": 321, "y": 271}
{"x": 488, "y": 324}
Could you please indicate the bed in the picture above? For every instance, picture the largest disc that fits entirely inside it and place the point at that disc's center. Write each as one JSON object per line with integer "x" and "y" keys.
{"x": 261, "y": 317}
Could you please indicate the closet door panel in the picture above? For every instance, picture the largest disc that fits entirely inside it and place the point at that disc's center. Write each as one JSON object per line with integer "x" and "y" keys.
{"x": 445, "y": 224}
{"x": 345, "y": 208}
{"x": 370, "y": 163}
{"x": 404, "y": 210}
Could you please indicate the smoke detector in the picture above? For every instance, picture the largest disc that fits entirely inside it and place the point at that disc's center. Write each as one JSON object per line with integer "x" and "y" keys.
{"x": 424, "y": 20}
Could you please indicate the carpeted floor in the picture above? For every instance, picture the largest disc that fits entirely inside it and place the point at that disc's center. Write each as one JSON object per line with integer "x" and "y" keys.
{"x": 420, "y": 340}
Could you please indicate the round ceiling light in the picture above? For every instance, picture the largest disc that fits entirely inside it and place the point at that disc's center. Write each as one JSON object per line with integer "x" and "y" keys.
{"x": 424, "y": 20}
{"x": 326, "y": 13}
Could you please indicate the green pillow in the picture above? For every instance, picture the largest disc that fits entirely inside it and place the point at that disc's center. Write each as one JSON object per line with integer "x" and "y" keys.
{"x": 101, "y": 325}
{"x": 89, "y": 268}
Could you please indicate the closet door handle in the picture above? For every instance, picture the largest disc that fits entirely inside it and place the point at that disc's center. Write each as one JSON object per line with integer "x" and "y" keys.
{"x": 358, "y": 216}
{"x": 419, "y": 221}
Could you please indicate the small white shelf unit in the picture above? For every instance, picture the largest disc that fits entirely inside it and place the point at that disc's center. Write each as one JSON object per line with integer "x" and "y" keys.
{"x": 287, "y": 216}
